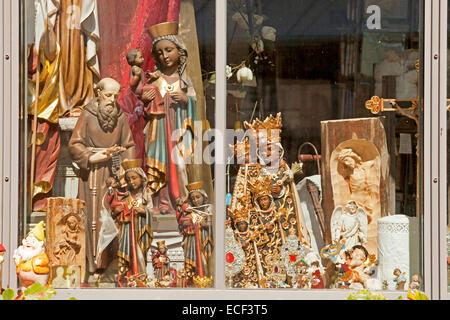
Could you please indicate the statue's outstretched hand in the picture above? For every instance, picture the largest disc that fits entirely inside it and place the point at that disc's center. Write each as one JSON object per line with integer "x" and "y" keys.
{"x": 99, "y": 157}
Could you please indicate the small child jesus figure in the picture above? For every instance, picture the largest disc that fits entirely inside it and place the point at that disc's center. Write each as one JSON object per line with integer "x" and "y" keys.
{"x": 140, "y": 80}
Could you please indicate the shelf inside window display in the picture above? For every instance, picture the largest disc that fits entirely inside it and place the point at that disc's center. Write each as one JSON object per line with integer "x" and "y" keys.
{"x": 115, "y": 101}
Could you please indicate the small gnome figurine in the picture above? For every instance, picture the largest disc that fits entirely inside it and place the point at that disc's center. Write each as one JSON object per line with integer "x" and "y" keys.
{"x": 31, "y": 259}
{"x": 2, "y": 259}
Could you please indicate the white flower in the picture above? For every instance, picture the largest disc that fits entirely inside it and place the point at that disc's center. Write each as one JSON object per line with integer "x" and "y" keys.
{"x": 269, "y": 33}
{"x": 228, "y": 71}
{"x": 244, "y": 74}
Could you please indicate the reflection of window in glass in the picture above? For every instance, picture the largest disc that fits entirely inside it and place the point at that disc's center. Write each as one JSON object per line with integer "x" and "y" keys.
{"x": 340, "y": 210}
{"x": 101, "y": 120}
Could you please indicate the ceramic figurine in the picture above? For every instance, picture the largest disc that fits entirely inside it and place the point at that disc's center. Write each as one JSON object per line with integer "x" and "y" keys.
{"x": 316, "y": 281}
{"x": 349, "y": 225}
{"x": 414, "y": 288}
{"x": 400, "y": 279}
{"x": 101, "y": 137}
{"x": 195, "y": 224}
{"x": 31, "y": 259}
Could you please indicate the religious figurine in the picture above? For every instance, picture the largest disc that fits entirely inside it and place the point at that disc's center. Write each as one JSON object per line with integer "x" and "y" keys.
{"x": 133, "y": 211}
{"x": 316, "y": 281}
{"x": 414, "y": 292}
{"x": 270, "y": 196}
{"x": 181, "y": 278}
{"x": 101, "y": 138}
{"x": 138, "y": 96}
{"x": 66, "y": 249}
{"x": 265, "y": 225}
{"x": 349, "y": 226}
{"x": 60, "y": 281}
{"x": 2, "y": 259}
{"x": 171, "y": 124}
{"x": 31, "y": 259}
{"x": 271, "y": 165}
{"x": 65, "y": 53}
{"x": 161, "y": 261}
{"x": 139, "y": 79}
{"x": 400, "y": 279}
{"x": 354, "y": 276}
{"x": 194, "y": 223}
{"x": 249, "y": 274}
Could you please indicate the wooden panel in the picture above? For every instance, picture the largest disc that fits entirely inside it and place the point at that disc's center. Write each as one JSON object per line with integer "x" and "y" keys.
{"x": 65, "y": 233}
{"x": 366, "y": 138}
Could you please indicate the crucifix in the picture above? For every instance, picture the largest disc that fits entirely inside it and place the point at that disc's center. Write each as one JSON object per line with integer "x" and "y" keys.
{"x": 377, "y": 105}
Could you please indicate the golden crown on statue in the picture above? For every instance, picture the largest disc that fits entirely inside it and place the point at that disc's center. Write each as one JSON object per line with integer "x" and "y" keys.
{"x": 239, "y": 214}
{"x": 131, "y": 164}
{"x": 163, "y": 29}
{"x": 270, "y": 122}
{"x": 260, "y": 186}
{"x": 202, "y": 282}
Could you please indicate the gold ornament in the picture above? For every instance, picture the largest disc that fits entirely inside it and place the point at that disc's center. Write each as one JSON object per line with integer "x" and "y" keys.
{"x": 202, "y": 282}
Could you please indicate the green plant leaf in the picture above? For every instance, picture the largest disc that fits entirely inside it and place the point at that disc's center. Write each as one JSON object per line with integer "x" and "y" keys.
{"x": 8, "y": 294}
{"x": 34, "y": 289}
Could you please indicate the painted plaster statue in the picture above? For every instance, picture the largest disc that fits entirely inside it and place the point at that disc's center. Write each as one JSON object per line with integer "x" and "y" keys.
{"x": 170, "y": 127}
{"x": 31, "y": 259}
{"x": 102, "y": 135}
{"x": 195, "y": 224}
{"x": 133, "y": 212}
{"x": 161, "y": 261}
{"x": 349, "y": 225}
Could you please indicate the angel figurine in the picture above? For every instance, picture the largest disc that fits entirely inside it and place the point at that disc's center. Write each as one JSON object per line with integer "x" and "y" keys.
{"x": 349, "y": 225}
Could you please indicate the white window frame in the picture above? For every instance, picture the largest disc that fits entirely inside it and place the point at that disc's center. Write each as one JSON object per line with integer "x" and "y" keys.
{"x": 434, "y": 168}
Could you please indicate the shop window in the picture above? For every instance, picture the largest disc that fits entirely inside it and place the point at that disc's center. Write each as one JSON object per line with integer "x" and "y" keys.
{"x": 114, "y": 106}
{"x": 323, "y": 99}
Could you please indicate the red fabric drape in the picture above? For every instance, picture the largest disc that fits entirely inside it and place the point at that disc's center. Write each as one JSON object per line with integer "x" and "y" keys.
{"x": 123, "y": 26}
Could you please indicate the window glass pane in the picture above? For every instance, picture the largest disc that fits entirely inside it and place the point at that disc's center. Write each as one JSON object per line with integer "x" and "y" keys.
{"x": 109, "y": 142}
{"x": 323, "y": 190}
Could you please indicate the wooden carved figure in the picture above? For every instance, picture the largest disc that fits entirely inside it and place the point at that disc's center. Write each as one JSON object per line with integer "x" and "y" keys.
{"x": 66, "y": 237}
{"x": 170, "y": 123}
{"x": 133, "y": 212}
{"x": 195, "y": 224}
{"x": 355, "y": 166}
{"x": 161, "y": 261}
